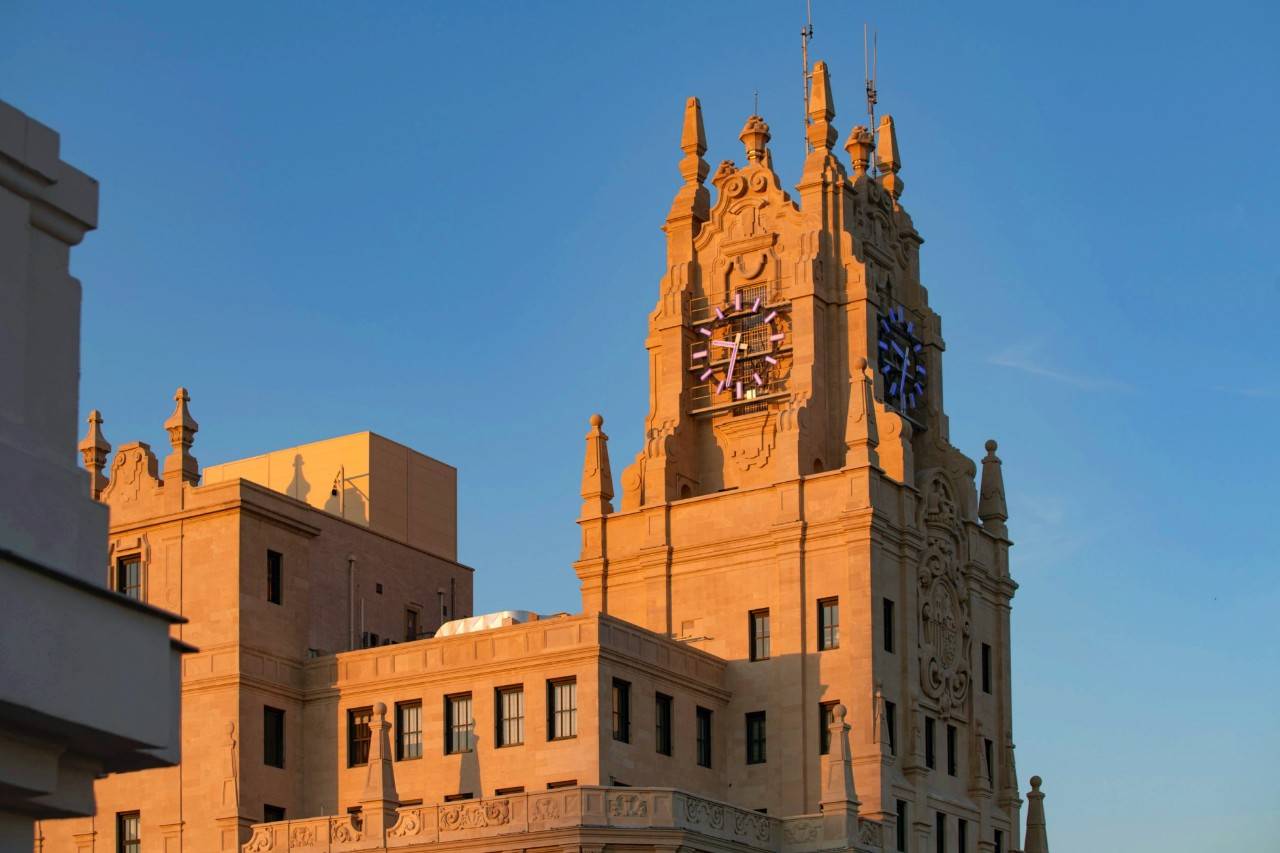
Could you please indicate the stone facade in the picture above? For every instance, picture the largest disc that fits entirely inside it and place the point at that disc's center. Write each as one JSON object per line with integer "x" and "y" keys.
{"x": 795, "y": 623}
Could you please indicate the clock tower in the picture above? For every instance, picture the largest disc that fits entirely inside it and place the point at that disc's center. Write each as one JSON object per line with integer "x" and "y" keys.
{"x": 797, "y": 507}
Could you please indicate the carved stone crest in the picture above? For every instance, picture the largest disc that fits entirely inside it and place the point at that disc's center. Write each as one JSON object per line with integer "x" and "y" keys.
{"x": 475, "y": 815}
{"x": 627, "y": 805}
{"x": 944, "y": 603}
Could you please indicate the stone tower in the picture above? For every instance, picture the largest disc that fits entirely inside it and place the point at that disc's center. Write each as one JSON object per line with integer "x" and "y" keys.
{"x": 797, "y": 507}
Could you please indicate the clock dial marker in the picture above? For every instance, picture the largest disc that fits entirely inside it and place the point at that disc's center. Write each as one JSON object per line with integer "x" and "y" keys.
{"x": 737, "y": 301}
{"x": 737, "y": 390}
{"x": 700, "y": 354}
{"x": 719, "y": 314}
{"x": 756, "y": 305}
{"x": 756, "y": 377}
{"x": 706, "y": 374}
{"x": 704, "y": 331}
{"x": 776, "y": 337}
{"x": 770, "y": 359}
{"x": 769, "y": 317}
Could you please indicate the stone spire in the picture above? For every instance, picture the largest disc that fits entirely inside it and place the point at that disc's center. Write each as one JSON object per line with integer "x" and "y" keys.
{"x": 380, "y": 799}
{"x": 887, "y": 158}
{"x": 692, "y": 199}
{"x": 822, "y": 109}
{"x": 93, "y": 450}
{"x": 597, "y": 478}
{"x": 182, "y": 429}
{"x": 859, "y": 146}
{"x": 991, "y": 505}
{"x": 1037, "y": 839}
{"x": 839, "y": 798}
{"x": 755, "y": 136}
{"x": 861, "y": 437}
{"x": 883, "y": 737}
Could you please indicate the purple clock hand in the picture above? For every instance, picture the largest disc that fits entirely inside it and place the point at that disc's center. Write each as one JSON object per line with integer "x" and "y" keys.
{"x": 733, "y": 358}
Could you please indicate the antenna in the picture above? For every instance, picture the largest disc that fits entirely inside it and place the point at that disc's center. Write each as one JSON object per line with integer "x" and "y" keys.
{"x": 806, "y": 35}
{"x": 869, "y": 69}
{"x": 755, "y": 111}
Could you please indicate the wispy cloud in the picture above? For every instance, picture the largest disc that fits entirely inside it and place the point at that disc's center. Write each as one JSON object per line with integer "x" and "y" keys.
{"x": 1024, "y": 357}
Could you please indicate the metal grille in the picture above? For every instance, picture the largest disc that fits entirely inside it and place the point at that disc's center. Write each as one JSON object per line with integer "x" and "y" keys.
{"x": 704, "y": 307}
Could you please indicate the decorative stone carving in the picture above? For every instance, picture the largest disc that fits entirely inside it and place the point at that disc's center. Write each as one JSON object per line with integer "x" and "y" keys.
{"x": 704, "y": 813}
{"x": 752, "y": 825}
{"x": 870, "y": 833}
{"x": 408, "y": 826}
{"x": 342, "y": 830}
{"x": 302, "y": 836}
{"x": 475, "y": 815}
{"x": 945, "y": 639}
{"x": 135, "y": 466}
{"x": 802, "y": 830}
{"x": 748, "y": 441}
{"x": 545, "y": 809}
{"x": 627, "y": 805}
{"x": 263, "y": 839}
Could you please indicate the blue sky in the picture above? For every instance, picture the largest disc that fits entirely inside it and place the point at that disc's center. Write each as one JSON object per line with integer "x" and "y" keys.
{"x": 441, "y": 222}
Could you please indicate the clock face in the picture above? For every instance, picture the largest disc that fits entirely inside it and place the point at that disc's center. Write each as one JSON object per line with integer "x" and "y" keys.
{"x": 739, "y": 353}
{"x": 901, "y": 355}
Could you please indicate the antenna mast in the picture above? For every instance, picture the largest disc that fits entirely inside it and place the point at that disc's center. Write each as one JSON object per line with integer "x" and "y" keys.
{"x": 806, "y": 35}
{"x": 869, "y": 64}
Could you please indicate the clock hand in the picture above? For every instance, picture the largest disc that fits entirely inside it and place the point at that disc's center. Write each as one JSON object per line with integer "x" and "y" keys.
{"x": 729, "y": 344}
{"x": 733, "y": 358}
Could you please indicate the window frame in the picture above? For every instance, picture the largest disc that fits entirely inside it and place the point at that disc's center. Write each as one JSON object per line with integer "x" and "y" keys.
{"x": 273, "y": 720}
{"x": 704, "y": 720}
{"x": 891, "y": 723}
{"x": 988, "y": 753}
{"x": 953, "y": 763}
{"x": 829, "y": 623}
{"x": 268, "y": 809}
{"x": 412, "y": 624}
{"x": 504, "y": 724}
{"x": 620, "y": 695}
{"x": 930, "y": 743}
{"x": 122, "y": 585}
{"x": 986, "y": 668}
{"x": 275, "y": 577}
{"x": 940, "y": 831}
{"x": 459, "y": 737}
{"x": 406, "y": 747}
{"x": 887, "y": 617}
{"x": 354, "y": 741}
{"x": 133, "y": 843}
{"x": 663, "y": 721}
{"x": 757, "y": 747}
{"x": 759, "y": 642}
{"x": 556, "y": 714}
{"x": 826, "y": 715}
{"x": 901, "y": 828}
{"x": 962, "y": 835}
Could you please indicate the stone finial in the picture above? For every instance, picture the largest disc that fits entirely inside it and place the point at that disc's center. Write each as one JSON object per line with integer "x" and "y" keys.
{"x": 1037, "y": 838}
{"x": 755, "y": 136}
{"x": 887, "y": 157}
{"x": 991, "y": 504}
{"x": 839, "y": 797}
{"x": 597, "y": 477}
{"x": 692, "y": 199}
{"x": 380, "y": 799}
{"x": 182, "y": 429}
{"x": 859, "y": 146}
{"x": 882, "y": 736}
{"x": 822, "y": 109}
{"x": 861, "y": 438}
{"x": 94, "y": 449}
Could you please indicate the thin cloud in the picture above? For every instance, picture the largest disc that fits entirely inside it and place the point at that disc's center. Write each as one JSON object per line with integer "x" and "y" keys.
{"x": 1022, "y": 358}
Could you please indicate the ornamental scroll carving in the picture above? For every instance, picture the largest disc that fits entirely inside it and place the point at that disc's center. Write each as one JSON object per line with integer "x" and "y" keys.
{"x": 944, "y": 602}
{"x": 753, "y": 825}
{"x": 704, "y": 813}
{"x": 302, "y": 836}
{"x": 627, "y": 805}
{"x": 802, "y": 830}
{"x": 475, "y": 815}
{"x": 408, "y": 825}
{"x": 263, "y": 839}
{"x": 343, "y": 830}
{"x": 870, "y": 833}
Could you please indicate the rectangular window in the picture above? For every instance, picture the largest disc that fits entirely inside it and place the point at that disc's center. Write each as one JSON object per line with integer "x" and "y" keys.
{"x": 129, "y": 576}
{"x": 510, "y": 728}
{"x": 128, "y": 832}
{"x": 828, "y": 624}
{"x": 758, "y": 625}
{"x": 986, "y": 668}
{"x": 826, "y": 716}
{"x": 412, "y": 631}
{"x": 999, "y": 839}
{"x": 940, "y": 832}
{"x": 408, "y": 730}
{"x": 704, "y": 737}
{"x": 662, "y": 722}
{"x": 563, "y": 783}
{"x": 891, "y": 723}
{"x": 986, "y": 754}
{"x": 272, "y": 736}
{"x": 358, "y": 720}
{"x": 930, "y": 758}
{"x": 962, "y": 835}
{"x": 272, "y": 814}
{"x": 275, "y": 577}
{"x": 562, "y": 709}
{"x": 459, "y": 724}
{"x": 504, "y": 792}
{"x": 902, "y": 826}
{"x": 888, "y": 626}
{"x": 951, "y": 750}
{"x": 455, "y": 798}
{"x": 621, "y": 710}
{"x": 756, "y": 738}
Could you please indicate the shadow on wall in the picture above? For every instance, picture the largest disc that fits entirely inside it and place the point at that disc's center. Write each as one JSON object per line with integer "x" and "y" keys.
{"x": 298, "y": 487}
{"x": 349, "y": 504}
{"x": 469, "y": 770}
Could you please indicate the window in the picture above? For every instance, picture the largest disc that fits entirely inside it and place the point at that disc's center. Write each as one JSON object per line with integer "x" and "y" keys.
{"x": 272, "y": 736}
{"x": 563, "y": 783}
{"x": 755, "y": 738}
{"x": 951, "y": 750}
{"x": 510, "y": 728}
{"x": 891, "y": 723}
{"x": 411, "y": 629}
{"x": 986, "y": 753}
{"x": 459, "y": 724}
{"x": 986, "y": 668}
{"x": 378, "y": 588}
{"x": 940, "y": 832}
{"x": 962, "y": 835}
{"x": 758, "y": 625}
{"x": 828, "y": 624}
{"x": 129, "y": 576}
{"x": 358, "y": 736}
{"x": 902, "y": 826}
{"x": 826, "y": 716}
{"x": 275, "y": 577}
{"x": 621, "y": 710}
{"x": 503, "y": 792}
{"x": 408, "y": 730}
{"x": 704, "y": 737}
{"x": 887, "y": 625}
{"x": 929, "y": 757}
{"x": 454, "y": 798}
{"x": 128, "y": 832}
{"x": 999, "y": 840}
{"x": 662, "y": 722}
{"x": 271, "y": 814}
{"x": 562, "y": 709}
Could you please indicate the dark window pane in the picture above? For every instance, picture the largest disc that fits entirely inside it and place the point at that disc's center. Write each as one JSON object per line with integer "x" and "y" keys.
{"x": 358, "y": 720}
{"x": 986, "y": 754}
{"x": 621, "y": 710}
{"x": 962, "y": 835}
{"x": 411, "y": 629}
{"x": 704, "y": 737}
{"x": 756, "y": 753}
{"x": 999, "y": 839}
{"x": 828, "y": 624}
{"x": 826, "y": 716}
{"x": 459, "y": 724}
{"x": 408, "y": 730}
{"x": 510, "y": 716}
{"x": 128, "y": 832}
{"x": 275, "y": 577}
{"x": 951, "y": 750}
{"x": 888, "y": 625}
{"x": 662, "y": 719}
{"x": 986, "y": 668}
{"x": 940, "y": 832}
{"x": 129, "y": 576}
{"x": 758, "y": 625}
{"x": 271, "y": 814}
{"x": 562, "y": 709}
{"x": 902, "y": 826}
{"x": 929, "y": 757}
{"x": 272, "y": 736}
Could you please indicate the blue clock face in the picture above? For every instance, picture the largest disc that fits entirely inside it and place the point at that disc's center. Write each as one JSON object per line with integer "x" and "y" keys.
{"x": 901, "y": 355}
